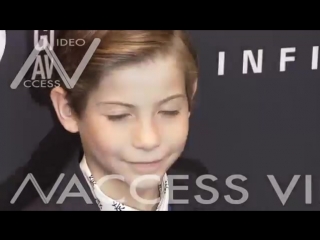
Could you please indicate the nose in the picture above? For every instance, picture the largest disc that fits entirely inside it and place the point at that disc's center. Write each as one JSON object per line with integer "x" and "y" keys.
{"x": 146, "y": 136}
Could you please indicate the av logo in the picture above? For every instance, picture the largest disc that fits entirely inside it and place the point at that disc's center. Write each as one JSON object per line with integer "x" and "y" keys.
{"x": 69, "y": 82}
{"x": 2, "y": 42}
{"x": 48, "y": 39}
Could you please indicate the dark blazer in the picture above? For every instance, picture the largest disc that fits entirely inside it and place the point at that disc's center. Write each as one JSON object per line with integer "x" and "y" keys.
{"x": 45, "y": 163}
{"x": 61, "y": 152}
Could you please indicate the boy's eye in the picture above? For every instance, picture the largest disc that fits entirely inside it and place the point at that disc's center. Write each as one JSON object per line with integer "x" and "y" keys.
{"x": 117, "y": 117}
{"x": 170, "y": 113}
{"x": 120, "y": 117}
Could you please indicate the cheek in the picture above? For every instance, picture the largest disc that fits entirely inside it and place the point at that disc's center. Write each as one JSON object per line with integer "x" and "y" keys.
{"x": 175, "y": 132}
{"x": 98, "y": 136}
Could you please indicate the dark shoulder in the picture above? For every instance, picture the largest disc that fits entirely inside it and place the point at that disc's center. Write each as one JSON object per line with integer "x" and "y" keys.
{"x": 45, "y": 164}
{"x": 189, "y": 166}
{"x": 39, "y": 205}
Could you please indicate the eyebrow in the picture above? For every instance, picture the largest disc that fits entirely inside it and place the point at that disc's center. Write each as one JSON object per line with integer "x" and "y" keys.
{"x": 128, "y": 105}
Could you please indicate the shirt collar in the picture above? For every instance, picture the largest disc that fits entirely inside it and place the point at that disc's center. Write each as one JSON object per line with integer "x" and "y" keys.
{"x": 106, "y": 203}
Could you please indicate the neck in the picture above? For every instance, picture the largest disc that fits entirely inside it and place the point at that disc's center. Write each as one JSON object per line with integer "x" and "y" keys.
{"x": 120, "y": 190}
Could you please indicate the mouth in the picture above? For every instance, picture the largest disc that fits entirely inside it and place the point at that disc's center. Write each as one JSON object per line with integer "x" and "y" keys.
{"x": 149, "y": 166}
{"x": 147, "y": 162}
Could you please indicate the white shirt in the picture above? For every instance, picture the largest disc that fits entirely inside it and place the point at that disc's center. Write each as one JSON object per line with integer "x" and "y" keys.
{"x": 106, "y": 203}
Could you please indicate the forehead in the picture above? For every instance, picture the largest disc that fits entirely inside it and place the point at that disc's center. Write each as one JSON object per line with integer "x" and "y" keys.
{"x": 156, "y": 77}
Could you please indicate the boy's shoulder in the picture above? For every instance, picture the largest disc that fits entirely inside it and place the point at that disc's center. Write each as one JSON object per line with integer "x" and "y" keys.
{"x": 188, "y": 166}
{"x": 189, "y": 182}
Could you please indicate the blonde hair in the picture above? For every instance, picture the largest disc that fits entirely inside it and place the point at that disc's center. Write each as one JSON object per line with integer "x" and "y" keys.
{"x": 120, "y": 48}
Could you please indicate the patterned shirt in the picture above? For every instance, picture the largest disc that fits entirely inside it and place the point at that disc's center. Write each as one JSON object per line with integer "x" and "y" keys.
{"x": 106, "y": 203}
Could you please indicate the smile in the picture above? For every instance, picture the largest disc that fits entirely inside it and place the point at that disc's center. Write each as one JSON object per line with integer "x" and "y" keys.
{"x": 147, "y": 166}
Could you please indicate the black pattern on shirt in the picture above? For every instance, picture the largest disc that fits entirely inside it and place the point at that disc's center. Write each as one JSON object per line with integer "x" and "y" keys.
{"x": 91, "y": 179}
{"x": 165, "y": 187}
{"x": 118, "y": 206}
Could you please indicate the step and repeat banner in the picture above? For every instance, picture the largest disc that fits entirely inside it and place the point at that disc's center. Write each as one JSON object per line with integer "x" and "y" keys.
{"x": 256, "y": 124}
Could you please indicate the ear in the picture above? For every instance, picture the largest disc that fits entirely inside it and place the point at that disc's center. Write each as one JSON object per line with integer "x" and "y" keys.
{"x": 194, "y": 88}
{"x": 194, "y": 91}
{"x": 64, "y": 113}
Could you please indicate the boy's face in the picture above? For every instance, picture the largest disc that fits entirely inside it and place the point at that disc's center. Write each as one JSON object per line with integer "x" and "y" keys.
{"x": 136, "y": 121}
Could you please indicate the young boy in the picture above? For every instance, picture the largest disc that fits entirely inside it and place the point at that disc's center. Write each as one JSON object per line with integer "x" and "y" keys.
{"x": 130, "y": 109}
